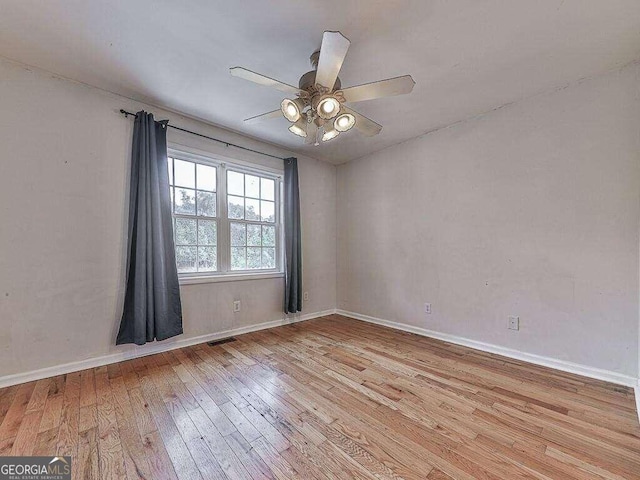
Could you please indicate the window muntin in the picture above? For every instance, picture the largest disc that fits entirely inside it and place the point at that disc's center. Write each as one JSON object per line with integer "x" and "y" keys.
{"x": 217, "y": 237}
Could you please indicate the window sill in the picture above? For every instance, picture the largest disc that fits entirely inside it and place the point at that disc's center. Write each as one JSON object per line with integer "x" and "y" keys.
{"x": 186, "y": 280}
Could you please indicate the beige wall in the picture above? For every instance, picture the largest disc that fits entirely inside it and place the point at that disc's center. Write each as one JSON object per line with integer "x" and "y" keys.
{"x": 530, "y": 210}
{"x": 64, "y": 151}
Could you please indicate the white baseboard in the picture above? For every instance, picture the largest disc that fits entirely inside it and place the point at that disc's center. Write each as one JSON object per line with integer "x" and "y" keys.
{"x": 565, "y": 366}
{"x": 150, "y": 349}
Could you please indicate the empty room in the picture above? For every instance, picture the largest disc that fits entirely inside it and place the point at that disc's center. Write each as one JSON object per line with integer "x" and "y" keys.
{"x": 284, "y": 239}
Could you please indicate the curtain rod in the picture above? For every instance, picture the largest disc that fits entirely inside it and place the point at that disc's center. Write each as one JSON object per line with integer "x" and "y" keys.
{"x": 228, "y": 144}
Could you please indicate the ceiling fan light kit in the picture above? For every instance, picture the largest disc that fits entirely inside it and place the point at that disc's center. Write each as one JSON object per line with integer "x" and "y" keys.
{"x": 344, "y": 122}
{"x": 300, "y": 126}
{"x": 327, "y": 106}
{"x": 292, "y": 109}
{"x": 319, "y": 109}
{"x": 330, "y": 132}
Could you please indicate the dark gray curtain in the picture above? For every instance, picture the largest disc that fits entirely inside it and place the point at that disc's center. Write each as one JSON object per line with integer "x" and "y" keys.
{"x": 292, "y": 238}
{"x": 152, "y": 308}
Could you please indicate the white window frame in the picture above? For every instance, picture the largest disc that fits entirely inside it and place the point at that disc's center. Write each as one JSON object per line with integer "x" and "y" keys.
{"x": 224, "y": 272}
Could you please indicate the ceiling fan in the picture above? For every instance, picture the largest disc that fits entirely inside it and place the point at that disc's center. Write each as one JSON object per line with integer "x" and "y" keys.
{"x": 317, "y": 107}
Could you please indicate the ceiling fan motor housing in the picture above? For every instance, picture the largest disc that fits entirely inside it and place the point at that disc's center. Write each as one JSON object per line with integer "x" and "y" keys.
{"x": 308, "y": 81}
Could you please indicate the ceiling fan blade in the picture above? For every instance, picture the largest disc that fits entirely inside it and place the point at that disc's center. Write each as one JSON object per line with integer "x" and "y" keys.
{"x": 364, "y": 124}
{"x": 382, "y": 88}
{"x": 332, "y": 52}
{"x": 312, "y": 133}
{"x": 262, "y": 117}
{"x": 263, "y": 80}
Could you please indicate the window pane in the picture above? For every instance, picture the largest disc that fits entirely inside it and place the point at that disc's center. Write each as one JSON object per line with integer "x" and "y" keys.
{"x": 236, "y": 207}
{"x": 170, "y": 168}
{"x": 253, "y": 257}
{"x": 235, "y": 183}
{"x": 206, "y": 204}
{"x": 171, "y": 197}
{"x": 253, "y": 235}
{"x": 268, "y": 211}
{"x": 185, "y": 173}
{"x": 207, "y": 232}
{"x": 268, "y": 189}
{"x": 238, "y": 261}
{"x": 252, "y": 209}
{"x": 186, "y": 259}
{"x": 185, "y": 201}
{"x": 185, "y": 231}
{"x": 207, "y": 259}
{"x": 268, "y": 258}
{"x": 252, "y": 186}
{"x": 238, "y": 234}
{"x": 206, "y": 177}
{"x": 268, "y": 236}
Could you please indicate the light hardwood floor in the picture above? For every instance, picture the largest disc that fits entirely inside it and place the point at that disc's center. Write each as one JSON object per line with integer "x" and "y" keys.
{"x": 326, "y": 398}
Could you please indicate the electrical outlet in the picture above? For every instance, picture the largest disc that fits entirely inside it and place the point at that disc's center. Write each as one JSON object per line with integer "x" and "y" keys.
{"x": 514, "y": 322}
{"x": 427, "y": 308}
{"x": 236, "y": 306}
{"x": 305, "y": 296}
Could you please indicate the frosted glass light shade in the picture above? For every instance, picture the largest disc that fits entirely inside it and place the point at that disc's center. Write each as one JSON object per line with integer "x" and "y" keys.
{"x": 344, "y": 122}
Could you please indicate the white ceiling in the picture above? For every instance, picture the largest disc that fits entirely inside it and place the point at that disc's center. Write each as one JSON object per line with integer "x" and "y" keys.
{"x": 466, "y": 56}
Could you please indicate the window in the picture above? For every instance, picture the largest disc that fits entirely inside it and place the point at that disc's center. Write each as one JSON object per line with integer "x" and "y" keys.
{"x": 225, "y": 217}
{"x": 252, "y": 207}
{"x": 195, "y": 225}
